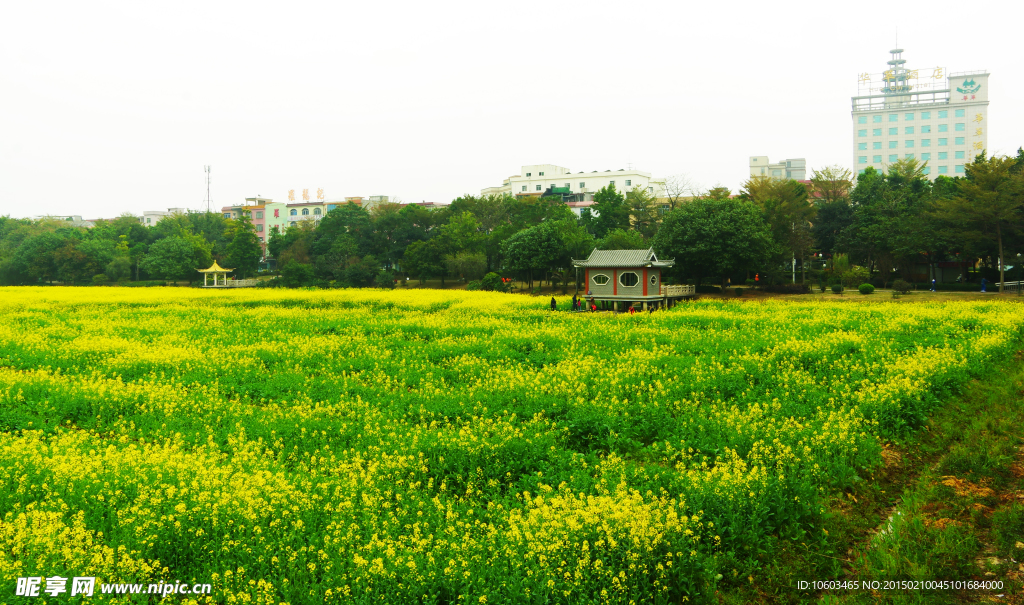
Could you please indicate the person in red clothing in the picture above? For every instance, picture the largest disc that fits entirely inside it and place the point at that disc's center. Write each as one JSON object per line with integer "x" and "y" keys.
{"x": 632, "y": 310}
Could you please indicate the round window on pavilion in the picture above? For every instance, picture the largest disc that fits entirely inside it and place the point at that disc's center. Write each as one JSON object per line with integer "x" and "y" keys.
{"x": 628, "y": 279}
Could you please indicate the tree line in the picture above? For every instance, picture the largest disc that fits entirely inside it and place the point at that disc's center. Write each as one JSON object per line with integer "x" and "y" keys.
{"x": 885, "y": 226}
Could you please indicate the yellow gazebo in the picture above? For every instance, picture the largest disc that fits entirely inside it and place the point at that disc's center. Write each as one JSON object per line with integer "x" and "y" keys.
{"x": 220, "y": 276}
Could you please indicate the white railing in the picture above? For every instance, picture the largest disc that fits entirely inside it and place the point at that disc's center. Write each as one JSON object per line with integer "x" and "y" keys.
{"x": 1009, "y": 286}
{"x": 234, "y": 283}
{"x": 678, "y": 290}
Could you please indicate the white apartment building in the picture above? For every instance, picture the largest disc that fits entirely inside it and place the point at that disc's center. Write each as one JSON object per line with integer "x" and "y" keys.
{"x": 794, "y": 168}
{"x": 936, "y": 117}
{"x": 537, "y": 178}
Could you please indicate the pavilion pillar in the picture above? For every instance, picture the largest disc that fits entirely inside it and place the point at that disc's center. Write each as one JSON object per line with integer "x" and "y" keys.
{"x": 205, "y": 275}
{"x": 645, "y": 305}
{"x": 615, "y": 306}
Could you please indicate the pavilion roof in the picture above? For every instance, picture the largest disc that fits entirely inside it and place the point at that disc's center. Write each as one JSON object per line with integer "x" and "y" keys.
{"x": 623, "y": 258}
{"x": 215, "y": 268}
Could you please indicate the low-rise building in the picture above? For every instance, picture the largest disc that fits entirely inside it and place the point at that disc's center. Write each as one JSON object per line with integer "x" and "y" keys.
{"x": 150, "y": 218}
{"x": 794, "y": 168}
{"x": 535, "y": 179}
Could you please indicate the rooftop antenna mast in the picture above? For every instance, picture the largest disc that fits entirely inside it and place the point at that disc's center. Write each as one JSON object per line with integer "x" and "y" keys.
{"x": 206, "y": 169}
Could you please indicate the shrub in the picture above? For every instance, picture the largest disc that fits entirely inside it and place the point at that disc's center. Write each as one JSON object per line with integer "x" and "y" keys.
{"x": 786, "y": 288}
{"x": 296, "y": 275}
{"x": 866, "y": 289}
{"x": 822, "y": 287}
{"x": 384, "y": 279}
{"x": 492, "y": 282}
{"x": 474, "y": 285}
{"x": 99, "y": 278}
{"x": 751, "y": 282}
{"x": 837, "y": 288}
{"x": 901, "y": 286}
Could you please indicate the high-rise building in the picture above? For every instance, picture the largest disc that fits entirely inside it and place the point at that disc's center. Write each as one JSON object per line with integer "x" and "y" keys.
{"x": 793, "y": 168}
{"x": 936, "y": 117}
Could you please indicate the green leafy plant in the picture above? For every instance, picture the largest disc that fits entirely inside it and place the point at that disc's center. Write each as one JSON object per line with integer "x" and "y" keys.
{"x": 866, "y": 289}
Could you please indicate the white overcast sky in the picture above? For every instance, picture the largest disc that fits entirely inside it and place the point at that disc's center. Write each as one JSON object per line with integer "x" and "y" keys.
{"x": 108, "y": 107}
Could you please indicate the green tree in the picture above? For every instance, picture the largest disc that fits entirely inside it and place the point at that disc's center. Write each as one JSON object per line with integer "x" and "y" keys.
{"x": 643, "y": 213}
{"x": 177, "y": 257}
{"x": 424, "y": 259}
{"x": 621, "y": 239}
{"x": 611, "y": 211}
{"x": 243, "y": 248}
{"x": 715, "y": 237}
{"x": 990, "y": 200}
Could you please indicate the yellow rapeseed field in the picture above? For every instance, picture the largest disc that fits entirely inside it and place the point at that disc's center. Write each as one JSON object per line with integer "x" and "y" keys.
{"x": 366, "y": 446}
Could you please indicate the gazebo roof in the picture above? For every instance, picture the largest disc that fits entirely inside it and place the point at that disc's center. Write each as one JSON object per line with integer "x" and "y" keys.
{"x": 215, "y": 268}
{"x": 623, "y": 258}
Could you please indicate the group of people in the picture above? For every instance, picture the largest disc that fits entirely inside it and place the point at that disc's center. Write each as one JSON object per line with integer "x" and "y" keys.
{"x": 578, "y": 304}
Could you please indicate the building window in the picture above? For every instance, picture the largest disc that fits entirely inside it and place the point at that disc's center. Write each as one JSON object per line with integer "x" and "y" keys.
{"x": 583, "y": 185}
{"x": 926, "y": 142}
{"x": 862, "y": 146}
{"x": 862, "y": 119}
{"x": 862, "y": 159}
{"x": 959, "y": 140}
{"x": 877, "y": 159}
{"x": 291, "y": 224}
{"x": 293, "y": 212}
{"x": 305, "y": 212}
{"x": 862, "y": 133}
{"x": 600, "y": 279}
{"x": 861, "y": 171}
{"x": 629, "y": 183}
{"x": 908, "y": 156}
{"x": 540, "y": 174}
{"x": 958, "y": 155}
{"x": 943, "y": 142}
{"x": 568, "y": 186}
{"x": 926, "y": 115}
{"x": 628, "y": 279}
{"x": 894, "y": 117}
{"x": 960, "y": 127}
{"x": 959, "y": 113}
{"x": 528, "y": 174}
{"x": 524, "y": 187}
{"x": 908, "y": 130}
{"x": 943, "y": 113}
{"x": 908, "y": 144}
{"x": 908, "y": 116}
{"x": 943, "y": 155}
{"x": 612, "y": 183}
{"x": 538, "y": 187}
{"x": 877, "y": 132}
{"x": 926, "y": 129}
{"x": 959, "y": 167}
{"x": 650, "y": 190}
{"x": 893, "y": 157}
{"x": 893, "y": 132}
{"x": 149, "y": 220}
{"x": 776, "y": 172}
{"x": 876, "y": 119}
{"x": 925, "y": 157}
{"x": 943, "y": 127}
{"x": 316, "y": 211}
{"x": 892, "y": 144}
{"x": 926, "y": 170}
{"x": 227, "y": 215}
{"x": 943, "y": 169}
{"x": 876, "y": 145}
{"x": 259, "y": 214}
{"x": 259, "y": 228}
